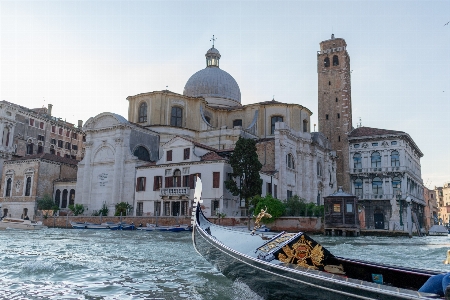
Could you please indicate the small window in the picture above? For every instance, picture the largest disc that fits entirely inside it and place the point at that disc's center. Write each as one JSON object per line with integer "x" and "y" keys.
{"x": 40, "y": 149}
{"x": 269, "y": 188}
{"x": 289, "y": 194}
{"x": 176, "y": 117}
{"x": 53, "y": 141}
{"x": 67, "y": 146}
{"x": 290, "y": 161}
{"x": 216, "y": 180}
{"x": 143, "y": 113}
{"x": 336, "y": 99}
{"x": 8, "y": 187}
{"x": 336, "y": 208}
{"x": 31, "y": 122}
{"x": 338, "y": 115}
{"x": 140, "y": 209}
{"x": 273, "y": 121}
{"x": 41, "y": 125}
{"x": 329, "y": 82}
{"x": 305, "y": 126}
{"x": 169, "y": 155}
{"x": 335, "y": 60}
{"x": 28, "y": 187}
{"x": 40, "y": 138}
{"x": 30, "y": 148}
{"x": 67, "y": 133}
{"x": 186, "y": 153}
{"x": 237, "y": 122}
{"x": 349, "y": 208}
{"x": 326, "y": 62}
{"x": 60, "y": 131}
{"x": 339, "y": 138}
{"x": 53, "y": 128}
{"x": 326, "y": 117}
{"x": 374, "y": 144}
{"x": 393, "y": 143}
{"x": 356, "y": 146}
{"x": 60, "y": 143}
{"x": 52, "y": 150}
{"x": 74, "y": 135}
{"x": 157, "y": 183}
{"x": 74, "y": 147}
{"x": 140, "y": 184}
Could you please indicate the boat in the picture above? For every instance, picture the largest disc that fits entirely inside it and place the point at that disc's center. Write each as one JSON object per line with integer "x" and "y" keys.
{"x": 16, "y": 223}
{"x": 438, "y": 230}
{"x": 85, "y": 225}
{"x": 294, "y": 266}
{"x": 172, "y": 228}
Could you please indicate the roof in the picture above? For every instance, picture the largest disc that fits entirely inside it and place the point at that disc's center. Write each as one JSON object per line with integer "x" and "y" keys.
{"x": 369, "y": 131}
{"x": 341, "y": 193}
{"x": 211, "y": 156}
{"x": 193, "y": 142}
{"x": 48, "y": 156}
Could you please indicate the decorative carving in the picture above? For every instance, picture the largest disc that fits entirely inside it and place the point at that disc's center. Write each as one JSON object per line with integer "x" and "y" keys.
{"x": 303, "y": 254}
{"x": 365, "y": 145}
{"x": 18, "y": 185}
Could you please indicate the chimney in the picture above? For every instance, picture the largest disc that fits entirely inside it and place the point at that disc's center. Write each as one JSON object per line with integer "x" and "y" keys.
{"x": 80, "y": 123}
{"x": 49, "y": 109}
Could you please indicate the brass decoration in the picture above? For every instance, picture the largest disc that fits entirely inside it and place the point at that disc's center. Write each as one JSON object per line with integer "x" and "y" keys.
{"x": 273, "y": 244}
{"x": 303, "y": 254}
{"x": 261, "y": 215}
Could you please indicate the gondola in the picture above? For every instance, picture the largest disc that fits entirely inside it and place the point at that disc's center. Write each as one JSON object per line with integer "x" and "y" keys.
{"x": 294, "y": 266}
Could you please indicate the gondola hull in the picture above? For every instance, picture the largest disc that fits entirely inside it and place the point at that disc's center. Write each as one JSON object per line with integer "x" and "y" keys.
{"x": 276, "y": 280}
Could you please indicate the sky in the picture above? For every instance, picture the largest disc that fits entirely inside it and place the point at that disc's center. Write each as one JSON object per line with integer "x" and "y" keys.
{"x": 86, "y": 57}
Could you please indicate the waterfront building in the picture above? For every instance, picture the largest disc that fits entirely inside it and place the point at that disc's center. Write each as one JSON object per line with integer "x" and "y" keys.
{"x": 34, "y": 131}
{"x": 385, "y": 170}
{"x": 114, "y": 148}
{"x": 335, "y": 102}
{"x": 431, "y": 208}
{"x": 443, "y": 202}
{"x": 28, "y": 179}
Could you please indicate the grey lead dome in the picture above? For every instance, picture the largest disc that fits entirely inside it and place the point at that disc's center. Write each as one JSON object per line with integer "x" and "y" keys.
{"x": 212, "y": 81}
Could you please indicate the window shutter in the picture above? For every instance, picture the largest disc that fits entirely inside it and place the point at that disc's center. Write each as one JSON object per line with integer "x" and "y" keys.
{"x": 155, "y": 183}
{"x": 169, "y": 155}
{"x": 178, "y": 181}
{"x": 216, "y": 179}
{"x": 169, "y": 182}
{"x": 191, "y": 181}
{"x": 137, "y": 184}
{"x": 144, "y": 183}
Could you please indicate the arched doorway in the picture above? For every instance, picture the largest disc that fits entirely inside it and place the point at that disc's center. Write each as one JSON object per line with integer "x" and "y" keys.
{"x": 378, "y": 219}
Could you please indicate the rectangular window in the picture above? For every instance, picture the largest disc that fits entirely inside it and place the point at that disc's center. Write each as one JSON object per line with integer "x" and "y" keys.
{"x": 326, "y": 117}
{"x": 40, "y": 137}
{"x": 60, "y": 144}
{"x": 187, "y": 152}
{"x": 67, "y": 133}
{"x": 169, "y": 155}
{"x": 41, "y": 125}
{"x": 140, "y": 184}
{"x": 60, "y": 131}
{"x": 53, "y": 141}
{"x": 168, "y": 182}
{"x": 73, "y": 157}
{"x": 374, "y": 144}
{"x": 273, "y": 121}
{"x": 184, "y": 208}
{"x": 31, "y": 122}
{"x": 186, "y": 181}
{"x": 74, "y": 135}
{"x": 167, "y": 208}
{"x": 53, "y": 128}
{"x": 67, "y": 155}
{"x": 393, "y": 143}
{"x": 157, "y": 211}
{"x": 356, "y": 146}
{"x": 336, "y": 207}
{"x": 349, "y": 207}
{"x": 67, "y": 145}
{"x": 289, "y": 194}
{"x": 237, "y": 122}
{"x": 216, "y": 180}
{"x": 269, "y": 189}
{"x": 140, "y": 209}
{"x": 74, "y": 147}
{"x": 215, "y": 207}
{"x": 338, "y": 115}
{"x": 275, "y": 191}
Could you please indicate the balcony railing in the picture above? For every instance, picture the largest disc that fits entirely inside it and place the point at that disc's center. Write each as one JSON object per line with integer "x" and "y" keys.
{"x": 175, "y": 191}
{"x": 379, "y": 169}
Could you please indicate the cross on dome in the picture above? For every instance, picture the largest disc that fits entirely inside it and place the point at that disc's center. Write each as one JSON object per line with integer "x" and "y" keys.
{"x": 213, "y": 39}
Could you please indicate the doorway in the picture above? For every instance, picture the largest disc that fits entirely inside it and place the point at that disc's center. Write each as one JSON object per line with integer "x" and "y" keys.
{"x": 378, "y": 218}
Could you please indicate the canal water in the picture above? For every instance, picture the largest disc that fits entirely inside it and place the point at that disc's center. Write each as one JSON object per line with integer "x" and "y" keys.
{"x": 89, "y": 264}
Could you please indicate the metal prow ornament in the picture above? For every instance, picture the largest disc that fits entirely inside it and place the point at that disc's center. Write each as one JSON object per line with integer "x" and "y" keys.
{"x": 261, "y": 215}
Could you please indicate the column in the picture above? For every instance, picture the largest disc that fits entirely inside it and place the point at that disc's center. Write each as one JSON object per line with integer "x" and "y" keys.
{"x": 118, "y": 162}
{"x": 299, "y": 167}
{"x": 87, "y": 174}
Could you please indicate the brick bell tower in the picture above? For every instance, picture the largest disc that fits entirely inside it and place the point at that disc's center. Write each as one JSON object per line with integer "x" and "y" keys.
{"x": 335, "y": 102}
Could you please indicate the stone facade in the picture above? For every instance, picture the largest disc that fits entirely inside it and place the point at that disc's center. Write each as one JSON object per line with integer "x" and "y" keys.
{"x": 385, "y": 166}
{"x": 431, "y": 208}
{"x": 443, "y": 202}
{"x": 335, "y": 102}
{"x": 28, "y": 179}
{"x": 34, "y": 131}
{"x": 114, "y": 148}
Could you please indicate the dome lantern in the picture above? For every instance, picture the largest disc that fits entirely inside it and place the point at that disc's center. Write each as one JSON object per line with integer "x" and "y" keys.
{"x": 212, "y": 56}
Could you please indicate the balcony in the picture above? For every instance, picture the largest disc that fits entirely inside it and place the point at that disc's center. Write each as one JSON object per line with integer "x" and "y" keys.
{"x": 175, "y": 191}
{"x": 377, "y": 170}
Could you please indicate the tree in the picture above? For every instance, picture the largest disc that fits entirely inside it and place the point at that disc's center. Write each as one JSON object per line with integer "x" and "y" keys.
{"x": 46, "y": 203}
{"x": 245, "y": 181}
{"x": 122, "y": 209}
{"x": 77, "y": 209}
{"x": 274, "y": 207}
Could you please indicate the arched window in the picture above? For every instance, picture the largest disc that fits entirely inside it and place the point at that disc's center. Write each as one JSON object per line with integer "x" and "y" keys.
{"x": 40, "y": 149}
{"x": 176, "y": 116}
{"x": 142, "y": 153}
{"x": 377, "y": 186}
{"x": 177, "y": 178}
{"x": 143, "y": 112}
{"x": 358, "y": 188}
{"x": 64, "y": 199}
{"x": 208, "y": 119}
{"x": 8, "y": 187}
{"x": 357, "y": 161}
{"x": 274, "y": 119}
{"x": 58, "y": 198}
{"x": 290, "y": 161}
{"x": 319, "y": 169}
{"x": 395, "y": 159}
{"x": 335, "y": 60}
{"x": 52, "y": 149}
{"x": 305, "y": 126}
{"x": 72, "y": 197}
{"x": 396, "y": 185}
{"x": 30, "y": 148}
{"x": 326, "y": 62}
{"x": 375, "y": 158}
{"x": 28, "y": 187}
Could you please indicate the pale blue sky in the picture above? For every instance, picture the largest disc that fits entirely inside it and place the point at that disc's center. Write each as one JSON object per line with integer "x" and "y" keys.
{"x": 86, "y": 57}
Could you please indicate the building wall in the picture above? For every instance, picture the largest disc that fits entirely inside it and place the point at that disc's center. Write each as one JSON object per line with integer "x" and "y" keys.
{"x": 334, "y": 97}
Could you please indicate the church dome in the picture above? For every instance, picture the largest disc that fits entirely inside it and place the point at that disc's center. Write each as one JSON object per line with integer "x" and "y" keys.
{"x": 213, "y": 82}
